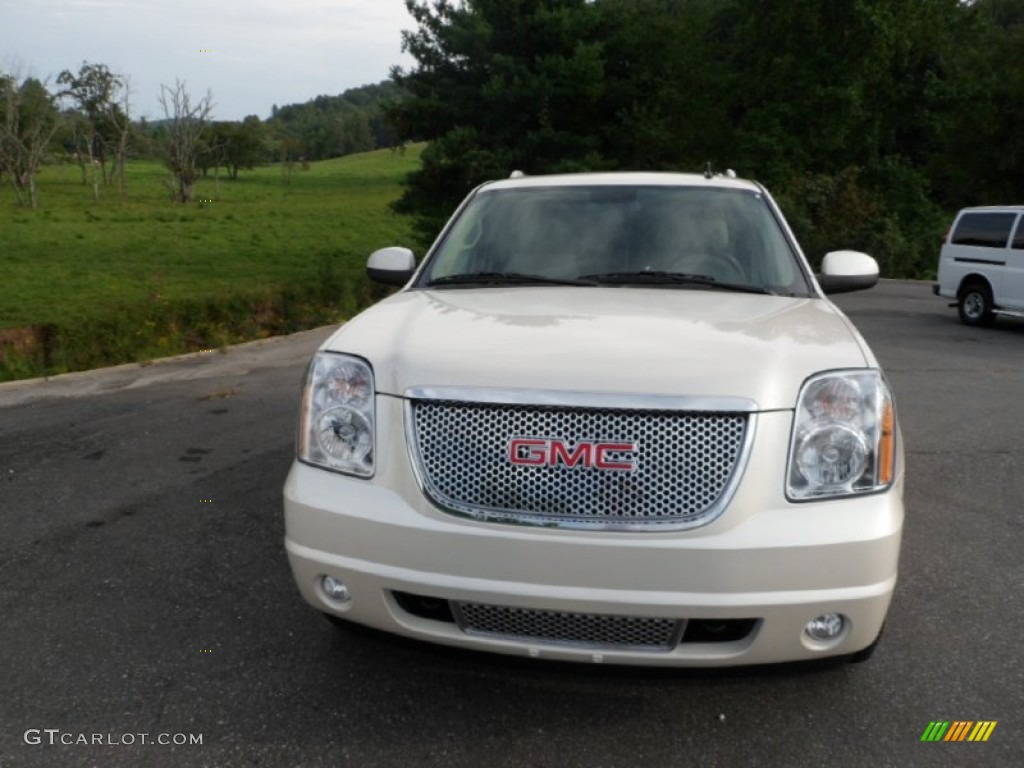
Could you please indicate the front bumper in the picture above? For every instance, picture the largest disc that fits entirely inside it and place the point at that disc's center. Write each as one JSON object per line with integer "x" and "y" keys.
{"x": 778, "y": 563}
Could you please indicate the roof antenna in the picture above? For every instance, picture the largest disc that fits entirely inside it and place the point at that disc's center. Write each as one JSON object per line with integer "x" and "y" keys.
{"x": 708, "y": 173}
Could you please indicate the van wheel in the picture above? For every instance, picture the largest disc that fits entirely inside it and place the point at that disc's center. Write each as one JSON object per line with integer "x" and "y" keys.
{"x": 975, "y": 305}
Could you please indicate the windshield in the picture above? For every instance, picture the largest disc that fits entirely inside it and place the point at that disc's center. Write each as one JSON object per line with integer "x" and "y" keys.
{"x": 584, "y": 233}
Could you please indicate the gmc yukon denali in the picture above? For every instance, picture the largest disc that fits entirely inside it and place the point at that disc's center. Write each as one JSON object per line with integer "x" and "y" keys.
{"x": 609, "y": 418}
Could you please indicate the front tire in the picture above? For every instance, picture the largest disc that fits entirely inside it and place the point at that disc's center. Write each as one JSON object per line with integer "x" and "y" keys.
{"x": 975, "y": 304}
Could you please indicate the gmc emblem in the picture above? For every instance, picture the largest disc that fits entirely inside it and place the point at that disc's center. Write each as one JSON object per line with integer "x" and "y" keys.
{"x": 552, "y": 452}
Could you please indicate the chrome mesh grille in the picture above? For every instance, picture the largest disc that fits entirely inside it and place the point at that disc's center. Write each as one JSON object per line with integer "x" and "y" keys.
{"x": 557, "y": 627}
{"x": 685, "y": 462}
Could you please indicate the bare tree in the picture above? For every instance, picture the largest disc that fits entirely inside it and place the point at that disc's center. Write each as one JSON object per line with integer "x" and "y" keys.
{"x": 28, "y": 119}
{"x": 186, "y": 122}
{"x": 120, "y": 119}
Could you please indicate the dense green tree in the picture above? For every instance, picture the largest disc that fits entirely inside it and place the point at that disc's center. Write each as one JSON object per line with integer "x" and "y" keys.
{"x": 247, "y": 147}
{"x": 826, "y": 86}
{"x": 981, "y": 155}
{"x": 663, "y": 105}
{"x": 500, "y": 85}
{"x": 843, "y": 101}
{"x": 233, "y": 146}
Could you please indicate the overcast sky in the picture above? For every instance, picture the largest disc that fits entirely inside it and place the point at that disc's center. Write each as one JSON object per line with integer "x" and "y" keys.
{"x": 261, "y": 52}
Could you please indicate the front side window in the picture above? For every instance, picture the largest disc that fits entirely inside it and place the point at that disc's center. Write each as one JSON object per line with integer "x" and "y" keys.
{"x": 1018, "y": 239}
{"x": 985, "y": 230}
{"x": 578, "y": 232}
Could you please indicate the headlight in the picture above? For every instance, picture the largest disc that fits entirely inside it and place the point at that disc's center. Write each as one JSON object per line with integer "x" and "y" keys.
{"x": 843, "y": 436}
{"x": 336, "y": 424}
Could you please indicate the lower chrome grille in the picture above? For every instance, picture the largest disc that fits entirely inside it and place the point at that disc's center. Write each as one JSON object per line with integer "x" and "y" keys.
{"x": 590, "y": 630}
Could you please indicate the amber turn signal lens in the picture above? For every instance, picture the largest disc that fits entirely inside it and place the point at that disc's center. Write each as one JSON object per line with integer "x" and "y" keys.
{"x": 887, "y": 447}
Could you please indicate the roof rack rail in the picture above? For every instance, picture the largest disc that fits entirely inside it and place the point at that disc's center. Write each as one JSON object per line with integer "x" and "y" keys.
{"x": 710, "y": 174}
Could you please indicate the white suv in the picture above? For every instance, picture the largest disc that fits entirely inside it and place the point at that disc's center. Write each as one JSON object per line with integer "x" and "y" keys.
{"x": 981, "y": 264}
{"x": 610, "y": 418}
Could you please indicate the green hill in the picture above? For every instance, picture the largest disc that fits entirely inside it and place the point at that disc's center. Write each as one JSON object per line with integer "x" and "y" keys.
{"x": 277, "y": 250}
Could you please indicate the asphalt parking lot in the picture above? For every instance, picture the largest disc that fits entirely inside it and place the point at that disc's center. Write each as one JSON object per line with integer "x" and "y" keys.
{"x": 144, "y": 590}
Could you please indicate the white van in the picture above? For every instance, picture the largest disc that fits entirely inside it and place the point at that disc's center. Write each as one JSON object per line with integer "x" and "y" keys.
{"x": 981, "y": 265}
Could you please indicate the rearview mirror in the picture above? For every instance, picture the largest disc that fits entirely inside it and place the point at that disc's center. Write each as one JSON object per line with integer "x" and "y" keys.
{"x": 845, "y": 271}
{"x": 391, "y": 266}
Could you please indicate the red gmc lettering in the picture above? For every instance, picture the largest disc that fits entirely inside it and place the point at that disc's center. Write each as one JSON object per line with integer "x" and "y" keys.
{"x": 603, "y": 462}
{"x": 560, "y": 454}
{"x": 537, "y": 452}
{"x": 527, "y": 451}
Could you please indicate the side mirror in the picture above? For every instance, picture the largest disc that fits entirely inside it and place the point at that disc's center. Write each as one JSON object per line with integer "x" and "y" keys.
{"x": 391, "y": 266}
{"x": 845, "y": 271}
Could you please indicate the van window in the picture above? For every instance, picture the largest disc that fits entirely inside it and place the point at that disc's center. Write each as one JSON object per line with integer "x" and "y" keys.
{"x": 1018, "y": 239}
{"x": 988, "y": 230}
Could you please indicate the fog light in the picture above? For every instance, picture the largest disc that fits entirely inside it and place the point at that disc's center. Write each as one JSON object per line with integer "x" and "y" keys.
{"x": 335, "y": 589}
{"x": 825, "y": 627}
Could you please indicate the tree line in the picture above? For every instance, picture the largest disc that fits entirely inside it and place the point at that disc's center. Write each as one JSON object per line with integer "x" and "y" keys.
{"x": 870, "y": 120}
{"x": 85, "y": 118}
{"x": 333, "y": 126}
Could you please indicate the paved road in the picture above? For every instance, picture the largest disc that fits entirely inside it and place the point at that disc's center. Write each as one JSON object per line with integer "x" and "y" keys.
{"x": 144, "y": 590}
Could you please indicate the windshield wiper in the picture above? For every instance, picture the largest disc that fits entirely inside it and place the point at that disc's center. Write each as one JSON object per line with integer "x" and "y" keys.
{"x": 504, "y": 278}
{"x": 660, "y": 277}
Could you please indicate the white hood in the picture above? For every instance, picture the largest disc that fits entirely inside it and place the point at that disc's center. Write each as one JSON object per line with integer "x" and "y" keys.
{"x": 660, "y": 341}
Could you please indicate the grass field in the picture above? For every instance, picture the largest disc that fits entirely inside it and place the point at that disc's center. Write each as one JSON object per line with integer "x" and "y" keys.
{"x": 142, "y": 277}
